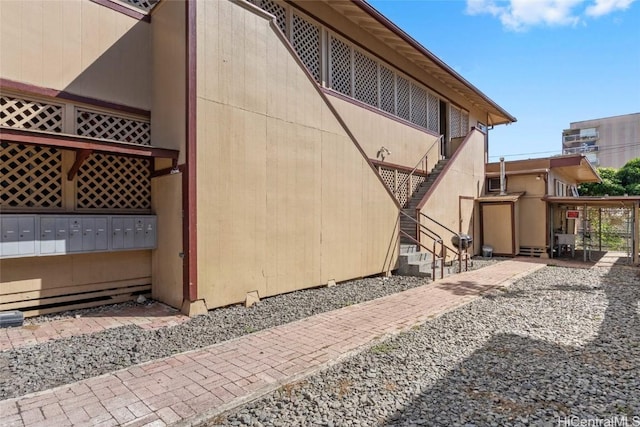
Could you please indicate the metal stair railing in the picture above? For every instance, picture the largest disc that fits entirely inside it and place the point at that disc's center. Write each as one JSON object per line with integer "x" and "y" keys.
{"x": 436, "y": 240}
{"x": 459, "y": 252}
{"x": 407, "y": 179}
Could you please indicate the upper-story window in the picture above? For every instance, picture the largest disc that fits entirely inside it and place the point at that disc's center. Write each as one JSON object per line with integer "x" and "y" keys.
{"x": 344, "y": 67}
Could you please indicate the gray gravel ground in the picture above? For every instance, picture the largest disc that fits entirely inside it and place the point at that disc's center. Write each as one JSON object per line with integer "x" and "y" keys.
{"x": 67, "y": 360}
{"x": 558, "y": 348}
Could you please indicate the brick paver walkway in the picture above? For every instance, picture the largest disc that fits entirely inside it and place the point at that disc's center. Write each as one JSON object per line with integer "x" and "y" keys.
{"x": 152, "y": 316}
{"x": 193, "y": 386}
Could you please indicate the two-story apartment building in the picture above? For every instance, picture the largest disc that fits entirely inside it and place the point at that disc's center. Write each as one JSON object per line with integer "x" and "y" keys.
{"x": 203, "y": 150}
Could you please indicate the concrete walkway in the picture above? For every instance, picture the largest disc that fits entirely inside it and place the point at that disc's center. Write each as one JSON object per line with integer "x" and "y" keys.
{"x": 194, "y": 386}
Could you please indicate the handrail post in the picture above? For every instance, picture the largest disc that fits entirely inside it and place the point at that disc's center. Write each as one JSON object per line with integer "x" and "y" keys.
{"x": 433, "y": 262}
{"x": 444, "y": 257}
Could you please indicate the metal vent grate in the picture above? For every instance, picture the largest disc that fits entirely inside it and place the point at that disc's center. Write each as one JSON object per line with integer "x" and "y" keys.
{"x": 306, "y": 42}
{"x": 340, "y": 66}
{"x": 25, "y": 114}
{"x": 387, "y": 90}
{"x": 402, "y": 86}
{"x": 113, "y": 182}
{"x": 31, "y": 176}
{"x": 434, "y": 113}
{"x": 365, "y": 78}
{"x": 418, "y": 105}
{"x": 106, "y": 126}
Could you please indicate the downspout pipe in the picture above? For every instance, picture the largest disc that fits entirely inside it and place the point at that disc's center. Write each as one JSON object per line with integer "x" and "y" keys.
{"x": 503, "y": 187}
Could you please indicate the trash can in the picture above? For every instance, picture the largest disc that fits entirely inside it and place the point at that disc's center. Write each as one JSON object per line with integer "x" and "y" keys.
{"x": 487, "y": 251}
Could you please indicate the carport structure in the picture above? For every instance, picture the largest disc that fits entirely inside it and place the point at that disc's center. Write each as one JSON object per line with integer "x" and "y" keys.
{"x": 570, "y": 222}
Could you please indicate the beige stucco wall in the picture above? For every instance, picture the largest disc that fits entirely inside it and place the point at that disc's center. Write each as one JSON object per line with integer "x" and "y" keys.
{"x": 285, "y": 199}
{"x": 406, "y": 143}
{"x": 533, "y": 211}
{"x": 77, "y": 46}
{"x": 47, "y": 276}
{"x": 464, "y": 177}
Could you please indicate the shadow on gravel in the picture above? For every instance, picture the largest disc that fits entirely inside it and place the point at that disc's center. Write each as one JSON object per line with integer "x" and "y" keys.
{"x": 515, "y": 380}
{"x": 465, "y": 287}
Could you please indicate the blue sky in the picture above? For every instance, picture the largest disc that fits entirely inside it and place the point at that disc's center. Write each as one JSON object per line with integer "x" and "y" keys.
{"x": 547, "y": 62}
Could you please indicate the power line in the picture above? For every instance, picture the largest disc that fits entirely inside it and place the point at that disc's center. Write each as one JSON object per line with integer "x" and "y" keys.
{"x": 608, "y": 149}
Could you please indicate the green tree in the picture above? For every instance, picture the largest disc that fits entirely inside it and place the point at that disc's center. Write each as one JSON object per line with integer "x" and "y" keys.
{"x": 629, "y": 177}
{"x": 610, "y": 184}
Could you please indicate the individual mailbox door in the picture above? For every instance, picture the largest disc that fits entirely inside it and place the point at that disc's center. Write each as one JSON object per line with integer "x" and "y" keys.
{"x": 117, "y": 233}
{"x": 88, "y": 234}
{"x": 27, "y": 236}
{"x": 150, "y": 232}
{"x": 62, "y": 235}
{"x": 47, "y": 235}
{"x": 75, "y": 235}
{"x": 129, "y": 229}
{"x": 101, "y": 234}
{"x": 139, "y": 233}
{"x": 10, "y": 244}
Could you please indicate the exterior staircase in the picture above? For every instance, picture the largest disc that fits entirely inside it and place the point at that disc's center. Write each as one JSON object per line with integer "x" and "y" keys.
{"x": 420, "y": 264}
{"x": 406, "y": 224}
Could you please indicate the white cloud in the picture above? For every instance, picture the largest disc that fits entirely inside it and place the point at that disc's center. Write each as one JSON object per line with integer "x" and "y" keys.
{"x": 604, "y": 7}
{"x": 519, "y": 15}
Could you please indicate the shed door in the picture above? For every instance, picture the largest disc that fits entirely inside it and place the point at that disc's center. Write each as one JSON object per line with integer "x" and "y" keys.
{"x": 497, "y": 227}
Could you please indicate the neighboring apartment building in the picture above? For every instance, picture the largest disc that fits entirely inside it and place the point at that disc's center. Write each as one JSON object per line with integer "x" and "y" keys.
{"x": 607, "y": 142}
{"x": 200, "y": 151}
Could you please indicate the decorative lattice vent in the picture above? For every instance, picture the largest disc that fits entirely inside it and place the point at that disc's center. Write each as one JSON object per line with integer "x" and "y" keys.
{"x": 365, "y": 78}
{"x": 305, "y": 38}
{"x": 402, "y": 193}
{"x": 113, "y": 182}
{"x": 145, "y": 5}
{"x": 418, "y": 105}
{"x": 403, "y": 98}
{"x": 389, "y": 178}
{"x": 387, "y": 90}
{"x": 464, "y": 123}
{"x": 106, "y": 126}
{"x": 25, "y": 114}
{"x": 31, "y": 176}
{"x": 340, "y": 66}
{"x": 434, "y": 113}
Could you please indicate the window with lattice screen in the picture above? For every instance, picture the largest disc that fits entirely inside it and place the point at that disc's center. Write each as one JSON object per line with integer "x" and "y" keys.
{"x": 116, "y": 128}
{"x": 464, "y": 123}
{"x": 454, "y": 121}
{"x": 280, "y": 12}
{"x": 30, "y": 176}
{"x": 106, "y": 181}
{"x": 340, "y": 70}
{"x": 26, "y": 114}
{"x": 365, "y": 78}
{"x": 418, "y": 105}
{"x": 145, "y": 5}
{"x": 434, "y": 113}
{"x": 305, "y": 38}
{"x": 402, "y": 88}
{"x": 387, "y": 90}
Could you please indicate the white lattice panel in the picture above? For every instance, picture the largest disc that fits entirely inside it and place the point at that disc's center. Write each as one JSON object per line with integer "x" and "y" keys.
{"x": 418, "y": 105}
{"x": 276, "y": 10}
{"x": 31, "y": 176}
{"x": 145, "y": 5}
{"x": 106, "y": 126}
{"x": 455, "y": 122}
{"x": 416, "y": 180}
{"x": 306, "y": 42}
{"x": 340, "y": 66}
{"x": 387, "y": 90}
{"x": 464, "y": 123}
{"x": 389, "y": 178}
{"x": 26, "y": 114}
{"x": 433, "y": 112}
{"x": 365, "y": 76}
{"x": 402, "y": 87}
{"x": 403, "y": 188}
{"x": 113, "y": 182}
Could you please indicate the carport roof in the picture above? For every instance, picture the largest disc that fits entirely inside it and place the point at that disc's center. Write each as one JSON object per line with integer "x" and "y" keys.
{"x": 609, "y": 201}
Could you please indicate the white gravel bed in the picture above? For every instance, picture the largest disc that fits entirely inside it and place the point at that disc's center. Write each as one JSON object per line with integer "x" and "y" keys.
{"x": 559, "y": 347}
{"x": 53, "y": 363}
